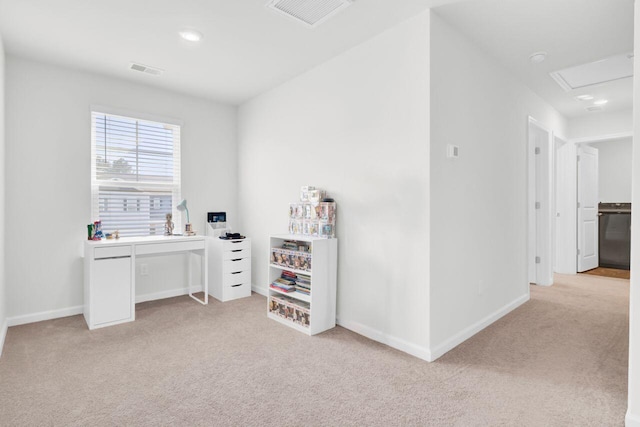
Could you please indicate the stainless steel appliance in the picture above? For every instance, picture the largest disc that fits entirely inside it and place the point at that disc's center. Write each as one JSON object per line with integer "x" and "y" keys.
{"x": 615, "y": 235}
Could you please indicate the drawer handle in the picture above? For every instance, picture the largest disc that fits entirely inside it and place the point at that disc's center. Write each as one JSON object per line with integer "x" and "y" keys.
{"x": 237, "y": 272}
{"x": 236, "y": 250}
{"x": 237, "y": 259}
{"x": 240, "y": 241}
{"x": 235, "y": 286}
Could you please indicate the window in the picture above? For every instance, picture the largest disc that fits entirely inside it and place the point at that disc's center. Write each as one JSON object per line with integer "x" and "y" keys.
{"x": 135, "y": 174}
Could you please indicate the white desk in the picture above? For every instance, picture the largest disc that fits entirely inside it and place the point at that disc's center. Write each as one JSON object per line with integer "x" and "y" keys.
{"x": 110, "y": 274}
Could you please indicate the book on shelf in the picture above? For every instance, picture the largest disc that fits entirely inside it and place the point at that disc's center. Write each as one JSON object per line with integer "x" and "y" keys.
{"x": 283, "y": 285}
{"x": 289, "y": 275}
{"x": 281, "y": 289}
{"x": 285, "y": 282}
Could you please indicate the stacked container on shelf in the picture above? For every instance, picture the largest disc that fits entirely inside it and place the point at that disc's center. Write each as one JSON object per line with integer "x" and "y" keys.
{"x": 317, "y": 220}
{"x": 311, "y": 216}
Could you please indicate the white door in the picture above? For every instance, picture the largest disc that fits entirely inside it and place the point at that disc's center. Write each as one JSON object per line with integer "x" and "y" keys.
{"x": 566, "y": 202}
{"x": 587, "y": 208}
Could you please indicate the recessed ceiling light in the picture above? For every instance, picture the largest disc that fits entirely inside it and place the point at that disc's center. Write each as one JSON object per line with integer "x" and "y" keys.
{"x": 537, "y": 57}
{"x": 584, "y": 97}
{"x": 191, "y": 35}
{"x": 600, "y": 102}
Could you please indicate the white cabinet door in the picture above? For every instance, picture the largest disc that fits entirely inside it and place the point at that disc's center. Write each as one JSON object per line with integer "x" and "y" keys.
{"x": 111, "y": 290}
{"x": 587, "y": 208}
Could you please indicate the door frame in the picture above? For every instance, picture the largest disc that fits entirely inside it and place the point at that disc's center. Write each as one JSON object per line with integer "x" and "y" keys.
{"x": 600, "y": 138}
{"x": 540, "y": 220}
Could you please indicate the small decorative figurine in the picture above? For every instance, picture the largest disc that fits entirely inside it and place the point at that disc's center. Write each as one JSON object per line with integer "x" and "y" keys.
{"x": 168, "y": 226}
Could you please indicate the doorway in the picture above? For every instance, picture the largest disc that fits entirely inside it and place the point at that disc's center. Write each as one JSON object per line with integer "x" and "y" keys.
{"x": 590, "y": 175}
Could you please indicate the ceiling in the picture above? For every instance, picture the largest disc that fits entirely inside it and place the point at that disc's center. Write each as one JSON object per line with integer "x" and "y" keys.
{"x": 247, "y": 48}
{"x": 572, "y": 32}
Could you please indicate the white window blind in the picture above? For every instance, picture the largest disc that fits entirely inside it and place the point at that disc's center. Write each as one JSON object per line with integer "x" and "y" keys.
{"x": 135, "y": 174}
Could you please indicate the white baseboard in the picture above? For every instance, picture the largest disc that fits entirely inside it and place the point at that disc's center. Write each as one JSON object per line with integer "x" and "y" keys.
{"x": 3, "y": 334}
{"x": 384, "y": 338}
{"x": 167, "y": 294}
{"x": 72, "y": 311}
{"x": 467, "y": 333}
{"x": 632, "y": 420}
{"x": 260, "y": 290}
{"x": 44, "y": 315}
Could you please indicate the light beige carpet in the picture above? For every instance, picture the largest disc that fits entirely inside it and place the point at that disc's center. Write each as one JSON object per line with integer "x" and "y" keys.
{"x": 559, "y": 360}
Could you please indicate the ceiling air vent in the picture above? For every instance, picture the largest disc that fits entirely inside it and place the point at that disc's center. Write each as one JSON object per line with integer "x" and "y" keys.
{"x": 593, "y": 73}
{"x": 592, "y": 108}
{"x": 146, "y": 69}
{"x": 309, "y": 12}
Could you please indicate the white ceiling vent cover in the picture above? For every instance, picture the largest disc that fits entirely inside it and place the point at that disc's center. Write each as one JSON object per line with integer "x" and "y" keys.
{"x": 593, "y": 73}
{"x": 309, "y": 12}
{"x": 146, "y": 69}
{"x": 593, "y": 108}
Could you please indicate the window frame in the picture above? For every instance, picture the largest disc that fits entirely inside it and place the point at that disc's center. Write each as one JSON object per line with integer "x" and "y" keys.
{"x": 174, "y": 186}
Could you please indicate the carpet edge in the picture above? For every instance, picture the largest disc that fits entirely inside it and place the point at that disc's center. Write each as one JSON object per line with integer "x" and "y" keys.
{"x": 3, "y": 334}
{"x": 632, "y": 420}
{"x": 470, "y": 331}
{"x": 44, "y": 315}
{"x": 386, "y": 339}
{"x": 260, "y": 290}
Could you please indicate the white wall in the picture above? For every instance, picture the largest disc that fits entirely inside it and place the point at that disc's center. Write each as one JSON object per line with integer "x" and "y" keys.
{"x": 479, "y": 201}
{"x": 356, "y": 126}
{"x": 614, "y": 169}
{"x": 3, "y": 297}
{"x": 600, "y": 123}
{"x": 633, "y": 414}
{"x": 48, "y": 168}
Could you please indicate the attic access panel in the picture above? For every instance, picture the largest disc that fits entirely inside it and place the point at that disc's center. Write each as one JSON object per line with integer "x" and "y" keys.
{"x": 309, "y": 12}
{"x": 593, "y": 73}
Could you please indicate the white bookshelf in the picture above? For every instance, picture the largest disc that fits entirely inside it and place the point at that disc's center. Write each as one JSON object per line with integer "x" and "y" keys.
{"x": 323, "y": 273}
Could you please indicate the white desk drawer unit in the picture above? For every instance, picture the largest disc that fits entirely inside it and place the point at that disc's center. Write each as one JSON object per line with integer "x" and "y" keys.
{"x": 160, "y": 248}
{"x": 236, "y": 253}
{"x": 112, "y": 252}
{"x": 229, "y": 268}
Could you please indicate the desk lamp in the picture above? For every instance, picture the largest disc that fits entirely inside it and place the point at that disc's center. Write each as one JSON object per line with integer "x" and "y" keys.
{"x": 182, "y": 206}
